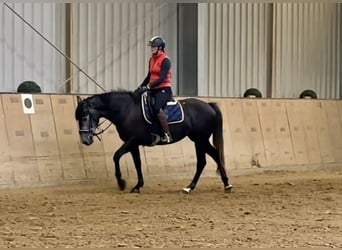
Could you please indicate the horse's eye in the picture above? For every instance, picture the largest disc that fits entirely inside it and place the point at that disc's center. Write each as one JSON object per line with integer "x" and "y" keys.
{"x": 84, "y": 119}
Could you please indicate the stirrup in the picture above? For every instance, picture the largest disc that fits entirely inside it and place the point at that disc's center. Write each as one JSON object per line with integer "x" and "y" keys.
{"x": 166, "y": 138}
{"x": 155, "y": 139}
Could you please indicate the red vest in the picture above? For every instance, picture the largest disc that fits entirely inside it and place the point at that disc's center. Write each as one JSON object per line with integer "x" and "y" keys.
{"x": 155, "y": 70}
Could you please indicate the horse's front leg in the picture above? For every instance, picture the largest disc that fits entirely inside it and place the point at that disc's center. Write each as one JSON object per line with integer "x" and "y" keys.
{"x": 116, "y": 158}
{"x": 137, "y": 163}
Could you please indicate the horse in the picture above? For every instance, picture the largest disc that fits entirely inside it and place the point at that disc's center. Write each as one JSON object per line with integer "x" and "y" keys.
{"x": 123, "y": 108}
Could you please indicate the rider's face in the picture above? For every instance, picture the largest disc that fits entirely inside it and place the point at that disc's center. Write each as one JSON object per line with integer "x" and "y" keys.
{"x": 154, "y": 50}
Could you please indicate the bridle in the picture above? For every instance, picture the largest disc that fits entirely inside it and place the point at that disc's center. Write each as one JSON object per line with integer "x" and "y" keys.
{"x": 92, "y": 129}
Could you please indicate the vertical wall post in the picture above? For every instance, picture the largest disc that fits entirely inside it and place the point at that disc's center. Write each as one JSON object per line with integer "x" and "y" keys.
{"x": 270, "y": 52}
{"x": 68, "y": 47}
{"x": 187, "y": 49}
{"x": 340, "y": 55}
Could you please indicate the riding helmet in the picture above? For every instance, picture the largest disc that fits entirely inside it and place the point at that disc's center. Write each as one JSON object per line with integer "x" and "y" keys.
{"x": 157, "y": 41}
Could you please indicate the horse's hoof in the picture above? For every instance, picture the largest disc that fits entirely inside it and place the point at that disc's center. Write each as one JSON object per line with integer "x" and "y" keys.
{"x": 122, "y": 184}
{"x": 228, "y": 189}
{"x": 187, "y": 190}
{"x": 135, "y": 191}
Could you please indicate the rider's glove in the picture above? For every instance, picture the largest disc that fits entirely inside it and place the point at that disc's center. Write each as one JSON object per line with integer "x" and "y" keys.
{"x": 141, "y": 89}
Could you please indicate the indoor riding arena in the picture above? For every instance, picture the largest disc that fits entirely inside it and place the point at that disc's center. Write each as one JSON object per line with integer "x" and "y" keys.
{"x": 285, "y": 169}
{"x": 274, "y": 70}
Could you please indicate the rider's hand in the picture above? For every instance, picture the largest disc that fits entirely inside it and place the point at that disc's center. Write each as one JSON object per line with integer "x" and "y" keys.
{"x": 141, "y": 89}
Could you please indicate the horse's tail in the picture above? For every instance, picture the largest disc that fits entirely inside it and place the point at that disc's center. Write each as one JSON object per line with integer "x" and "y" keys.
{"x": 218, "y": 132}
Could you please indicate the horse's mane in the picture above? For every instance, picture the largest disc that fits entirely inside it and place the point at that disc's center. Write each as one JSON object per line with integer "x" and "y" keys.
{"x": 135, "y": 96}
{"x": 119, "y": 92}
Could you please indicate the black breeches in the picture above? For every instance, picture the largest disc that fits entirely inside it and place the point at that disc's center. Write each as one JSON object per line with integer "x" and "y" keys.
{"x": 161, "y": 96}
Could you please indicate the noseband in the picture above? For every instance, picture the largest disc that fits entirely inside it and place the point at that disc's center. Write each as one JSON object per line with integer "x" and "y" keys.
{"x": 92, "y": 129}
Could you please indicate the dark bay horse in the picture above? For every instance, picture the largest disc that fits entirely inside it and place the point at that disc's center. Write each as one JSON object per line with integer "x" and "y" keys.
{"x": 124, "y": 110}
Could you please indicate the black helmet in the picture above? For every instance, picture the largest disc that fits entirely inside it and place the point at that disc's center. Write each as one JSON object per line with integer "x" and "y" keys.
{"x": 157, "y": 41}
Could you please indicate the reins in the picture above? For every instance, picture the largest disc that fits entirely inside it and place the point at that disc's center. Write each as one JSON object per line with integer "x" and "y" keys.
{"x": 102, "y": 130}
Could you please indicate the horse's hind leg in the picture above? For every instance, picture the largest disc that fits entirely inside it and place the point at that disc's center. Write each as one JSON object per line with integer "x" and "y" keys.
{"x": 215, "y": 155}
{"x": 201, "y": 161}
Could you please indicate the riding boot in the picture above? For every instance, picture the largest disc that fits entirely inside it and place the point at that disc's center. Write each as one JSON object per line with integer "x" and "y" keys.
{"x": 165, "y": 126}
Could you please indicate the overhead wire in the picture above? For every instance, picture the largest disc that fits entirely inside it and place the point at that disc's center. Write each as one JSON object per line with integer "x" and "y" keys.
{"x": 54, "y": 46}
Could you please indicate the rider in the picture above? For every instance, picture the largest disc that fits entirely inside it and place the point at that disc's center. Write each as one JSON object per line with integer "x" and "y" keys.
{"x": 158, "y": 80}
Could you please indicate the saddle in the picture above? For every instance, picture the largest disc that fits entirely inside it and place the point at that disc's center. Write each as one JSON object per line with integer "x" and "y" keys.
{"x": 173, "y": 110}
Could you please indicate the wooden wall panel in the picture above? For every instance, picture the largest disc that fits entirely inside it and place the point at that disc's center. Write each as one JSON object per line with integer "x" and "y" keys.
{"x": 174, "y": 159}
{"x": 67, "y": 137}
{"x": 276, "y": 111}
{"x": 93, "y": 155}
{"x": 20, "y": 140}
{"x": 339, "y": 110}
{"x": 155, "y": 161}
{"x": 44, "y": 138}
{"x": 189, "y": 153}
{"x": 304, "y": 108}
{"x": 6, "y": 174}
{"x": 253, "y": 127}
{"x": 242, "y": 149}
{"x": 282, "y": 131}
{"x": 43, "y": 127}
{"x": 297, "y": 132}
{"x": 44, "y": 148}
{"x": 268, "y": 126}
{"x": 18, "y": 127}
{"x": 334, "y": 127}
{"x": 322, "y": 130}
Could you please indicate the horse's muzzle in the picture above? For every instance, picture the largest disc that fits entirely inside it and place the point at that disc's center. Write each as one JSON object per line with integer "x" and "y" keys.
{"x": 87, "y": 139}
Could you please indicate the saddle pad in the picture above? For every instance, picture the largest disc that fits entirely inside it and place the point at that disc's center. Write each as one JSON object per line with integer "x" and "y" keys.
{"x": 173, "y": 110}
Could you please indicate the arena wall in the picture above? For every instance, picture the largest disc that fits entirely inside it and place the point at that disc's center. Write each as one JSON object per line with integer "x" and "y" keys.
{"x": 43, "y": 148}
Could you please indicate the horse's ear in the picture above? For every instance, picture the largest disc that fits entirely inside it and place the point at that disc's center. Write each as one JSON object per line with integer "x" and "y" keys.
{"x": 79, "y": 99}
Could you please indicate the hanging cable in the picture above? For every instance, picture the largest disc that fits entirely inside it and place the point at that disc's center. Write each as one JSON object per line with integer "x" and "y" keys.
{"x": 55, "y": 47}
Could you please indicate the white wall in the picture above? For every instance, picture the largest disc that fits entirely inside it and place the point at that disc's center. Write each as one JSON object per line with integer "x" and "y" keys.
{"x": 233, "y": 42}
{"x": 24, "y": 55}
{"x": 109, "y": 41}
{"x": 307, "y": 49}
{"x": 238, "y": 48}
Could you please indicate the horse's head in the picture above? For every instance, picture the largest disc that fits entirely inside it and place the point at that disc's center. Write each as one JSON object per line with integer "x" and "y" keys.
{"x": 88, "y": 120}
